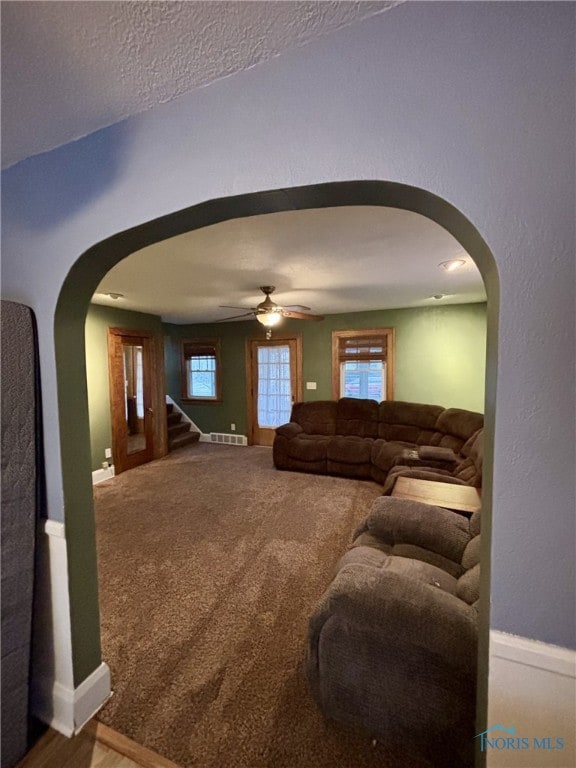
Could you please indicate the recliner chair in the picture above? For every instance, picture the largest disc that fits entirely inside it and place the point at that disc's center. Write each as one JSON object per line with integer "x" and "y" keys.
{"x": 392, "y": 644}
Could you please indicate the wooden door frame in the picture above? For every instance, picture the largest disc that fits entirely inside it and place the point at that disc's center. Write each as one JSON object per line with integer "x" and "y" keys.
{"x": 157, "y": 391}
{"x": 296, "y": 337}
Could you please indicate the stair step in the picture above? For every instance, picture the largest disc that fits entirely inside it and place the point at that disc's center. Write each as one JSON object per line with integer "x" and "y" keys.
{"x": 169, "y": 407}
{"x": 174, "y": 418}
{"x": 184, "y": 439}
{"x": 178, "y": 429}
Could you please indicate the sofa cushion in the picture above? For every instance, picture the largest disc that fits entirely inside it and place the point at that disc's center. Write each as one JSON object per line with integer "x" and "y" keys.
{"x": 468, "y": 586}
{"x": 418, "y": 570}
{"x": 427, "y": 556}
{"x": 468, "y": 472}
{"x": 469, "y": 445}
{"x": 476, "y": 523}
{"x": 350, "y": 457}
{"x": 437, "y": 453}
{"x": 385, "y": 453}
{"x": 350, "y": 450}
{"x": 471, "y": 556}
{"x": 403, "y": 521}
{"x": 317, "y": 417}
{"x": 410, "y": 422}
{"x": 308, "y": 447}
{"x": 458, "y": 423}
{"x": 357, "y": 417}
{"x": 369, "y": 540}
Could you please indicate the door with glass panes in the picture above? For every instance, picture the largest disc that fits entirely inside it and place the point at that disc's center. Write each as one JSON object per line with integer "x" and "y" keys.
{"x": 274, "y": 383}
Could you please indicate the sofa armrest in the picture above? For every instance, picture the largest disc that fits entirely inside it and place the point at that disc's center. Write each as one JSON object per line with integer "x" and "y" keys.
{"x": 404, "y": 610}
{"x": 289, "y": 430}
{"x": 403, "y": 521}
{"x": 437, "y": 453}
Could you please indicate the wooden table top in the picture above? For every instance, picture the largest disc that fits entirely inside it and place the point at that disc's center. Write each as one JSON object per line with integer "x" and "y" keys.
{"x": 461, "y": 498}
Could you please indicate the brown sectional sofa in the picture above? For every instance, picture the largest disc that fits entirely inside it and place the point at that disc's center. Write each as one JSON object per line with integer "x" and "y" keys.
{"x": 364, "y": 439}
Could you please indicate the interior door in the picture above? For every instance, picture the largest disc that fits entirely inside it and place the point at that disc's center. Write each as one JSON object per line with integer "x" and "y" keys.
{"x": 131, "y": 363}
{"x": 274, "y": 383}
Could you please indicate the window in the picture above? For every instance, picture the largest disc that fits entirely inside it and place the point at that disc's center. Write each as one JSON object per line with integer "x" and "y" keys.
{"x": 201, "y": 369}
{"x": 363, "y": 364}
{"x": 274, "y": 385}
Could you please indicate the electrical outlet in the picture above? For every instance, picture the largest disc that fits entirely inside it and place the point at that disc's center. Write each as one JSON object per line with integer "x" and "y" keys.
{"x": 104, "y": 465}
{"x": 108, "y": 453}
{"x": 233, "y": 427}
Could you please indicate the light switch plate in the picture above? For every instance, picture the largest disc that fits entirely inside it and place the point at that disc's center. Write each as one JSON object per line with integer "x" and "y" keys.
{"x": 310, "y": 385}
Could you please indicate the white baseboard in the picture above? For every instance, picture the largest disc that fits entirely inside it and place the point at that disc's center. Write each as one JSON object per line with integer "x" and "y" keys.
{"x": 531, "y": 688}
{"x": 67, "y": 709}
{"x": 99, "y": 475}
{"x": 53, "y": 698}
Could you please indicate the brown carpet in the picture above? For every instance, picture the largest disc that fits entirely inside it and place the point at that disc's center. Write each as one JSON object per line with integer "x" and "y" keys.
{"x": 210, "y": 563}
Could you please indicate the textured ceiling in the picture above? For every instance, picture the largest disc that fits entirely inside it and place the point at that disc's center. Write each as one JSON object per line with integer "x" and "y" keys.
{"x": 70, "y": 68}
{"x": 333, "y": 260}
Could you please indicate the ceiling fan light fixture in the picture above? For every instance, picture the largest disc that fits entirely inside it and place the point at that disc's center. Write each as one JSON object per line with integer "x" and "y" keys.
{"x": 452, "y": 264}
{"x": 269, "y": 319}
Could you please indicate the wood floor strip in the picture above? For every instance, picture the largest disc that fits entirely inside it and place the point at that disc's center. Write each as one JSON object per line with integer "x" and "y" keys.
{"x": 125, "y": 746}
{"x": 96, "y": 746}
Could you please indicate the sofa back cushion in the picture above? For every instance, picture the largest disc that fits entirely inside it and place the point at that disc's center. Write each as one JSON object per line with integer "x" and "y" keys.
{"x": 471, "y": 555}
{"x": 408, "y": 422}
{"x": 468, "y": 586}
{"x": 357, "y": 417}
{"x": 457, "y": 426}
{"x": 470, "y": 470}
{"x": 317, "y": 417}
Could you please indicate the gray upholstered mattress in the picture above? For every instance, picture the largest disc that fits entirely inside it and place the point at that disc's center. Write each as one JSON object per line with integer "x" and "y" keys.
{"x": 18, "y": 522}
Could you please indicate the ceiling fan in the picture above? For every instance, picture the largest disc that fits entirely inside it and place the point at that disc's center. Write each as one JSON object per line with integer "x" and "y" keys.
{"x": 269, "y": 313}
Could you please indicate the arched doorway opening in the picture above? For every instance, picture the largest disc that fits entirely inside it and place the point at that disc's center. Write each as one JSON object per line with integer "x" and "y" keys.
{"x": 73, "y": 302}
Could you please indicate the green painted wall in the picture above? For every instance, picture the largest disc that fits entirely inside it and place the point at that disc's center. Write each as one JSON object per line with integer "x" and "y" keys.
{"x": 98, "y": 320}
{"x": 440, "y": 358}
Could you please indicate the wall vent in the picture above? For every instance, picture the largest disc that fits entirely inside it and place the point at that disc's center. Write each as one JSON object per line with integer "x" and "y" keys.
{"x": 228, "y": 439}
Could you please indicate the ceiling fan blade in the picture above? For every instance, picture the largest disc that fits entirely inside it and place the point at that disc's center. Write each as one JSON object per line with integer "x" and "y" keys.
{"x": 236, "y": 317}
{"x": 296, "y": 308}
{"x": 231, "y": 306}
{"x": 302, "y": 315}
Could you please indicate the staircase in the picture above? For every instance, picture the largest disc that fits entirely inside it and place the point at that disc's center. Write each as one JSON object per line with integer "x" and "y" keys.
{"x": 179, "y": 430}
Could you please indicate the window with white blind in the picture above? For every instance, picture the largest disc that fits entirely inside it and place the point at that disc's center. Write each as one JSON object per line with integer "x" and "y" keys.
{"x": 363, "y": 364}
{"x": 201, "y": 369}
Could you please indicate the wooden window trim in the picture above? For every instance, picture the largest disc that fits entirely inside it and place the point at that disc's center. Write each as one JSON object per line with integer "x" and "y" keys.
{"x": 390, "y": 356}
{"x": 200, "y": 342}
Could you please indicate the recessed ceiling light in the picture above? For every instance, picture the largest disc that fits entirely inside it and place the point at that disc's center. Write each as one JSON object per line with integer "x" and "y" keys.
{"x": 451, "y": 265}
{"x": 438, "y": 296}
{"x": 115, "y": 296}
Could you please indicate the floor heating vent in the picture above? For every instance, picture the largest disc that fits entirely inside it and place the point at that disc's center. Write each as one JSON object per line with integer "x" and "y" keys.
{"x": 228, "y": 439}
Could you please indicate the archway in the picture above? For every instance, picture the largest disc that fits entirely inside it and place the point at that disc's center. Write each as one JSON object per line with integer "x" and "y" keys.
{"x": 72, "y": 306}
